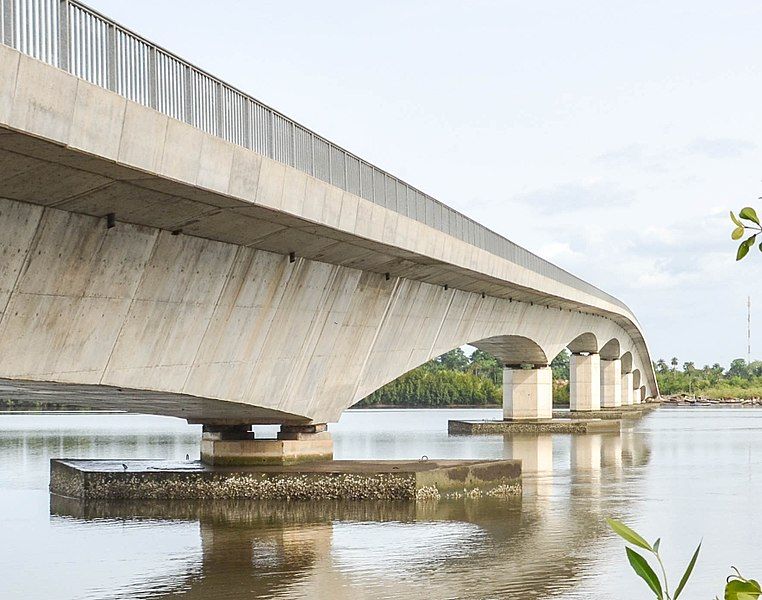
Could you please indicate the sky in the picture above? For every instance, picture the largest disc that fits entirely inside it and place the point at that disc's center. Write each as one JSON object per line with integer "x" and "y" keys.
{"x": 609, "y": 137}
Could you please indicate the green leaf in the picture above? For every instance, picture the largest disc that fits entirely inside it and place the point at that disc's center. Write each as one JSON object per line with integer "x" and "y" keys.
{"x": 735, "y": 219}
{"x": 628, "y": 534}
{"x": 743, "y": 248}
{"x": 742, "y": 589}
{"x": 688, "y": 571}
{"x": 749, "y": 214}
{"x": 641, "y": 567}
{"x": 737, "y": 233}
{"x": 656, "y": 545}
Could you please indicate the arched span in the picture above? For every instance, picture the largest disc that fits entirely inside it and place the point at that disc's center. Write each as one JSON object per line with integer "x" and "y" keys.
{"x": 513, "y": 350}
{"x": 587, "y": 342}
{"x": 627, "y": 362}
{"x": 610, "y": 350}
{"x": 643, "y": 392}
{"x": 636, "y": 379}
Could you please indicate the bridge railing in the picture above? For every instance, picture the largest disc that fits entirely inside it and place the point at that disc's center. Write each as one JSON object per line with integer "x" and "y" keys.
{"x": 69, "y": 35}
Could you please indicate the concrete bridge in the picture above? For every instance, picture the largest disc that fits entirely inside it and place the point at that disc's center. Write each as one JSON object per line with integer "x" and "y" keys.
{"x": 170, "y": 245}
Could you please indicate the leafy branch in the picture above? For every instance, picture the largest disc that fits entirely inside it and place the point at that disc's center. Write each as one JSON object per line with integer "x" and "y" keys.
{"x": 736, "y": 588}
{"x": 639, "y": 563}
{"x": 741, "y": 228}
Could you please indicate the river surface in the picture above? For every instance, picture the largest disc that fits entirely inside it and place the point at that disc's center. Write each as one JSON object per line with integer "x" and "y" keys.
{"x": 679, "y": 474}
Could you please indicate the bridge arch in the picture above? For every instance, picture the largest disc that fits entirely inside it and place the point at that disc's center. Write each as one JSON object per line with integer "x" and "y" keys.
{"x": 513, "y": 350}
{"x": 586, "y": 342}
{"x": 611, "y": 350}
{"x": 627, "y": 362}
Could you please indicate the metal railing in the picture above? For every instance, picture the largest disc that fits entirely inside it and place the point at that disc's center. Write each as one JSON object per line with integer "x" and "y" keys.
{"x": 69, "y": 35}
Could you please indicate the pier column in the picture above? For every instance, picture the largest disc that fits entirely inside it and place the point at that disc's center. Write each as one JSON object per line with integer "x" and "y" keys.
{"x": 235, "y": 445}
{"x": 584, "y": 382}
{"x": 637, "y": 396}
{"x": 627, "y": 395}
{"x": 611, "y": 383}
{"x": 527, "y": 393}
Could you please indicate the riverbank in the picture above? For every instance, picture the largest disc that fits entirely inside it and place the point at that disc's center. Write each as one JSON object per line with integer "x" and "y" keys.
{"x": 686, "y": 400}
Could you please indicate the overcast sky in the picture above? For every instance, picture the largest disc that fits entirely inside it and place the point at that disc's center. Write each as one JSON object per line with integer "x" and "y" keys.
{"x": 609, "y": 137}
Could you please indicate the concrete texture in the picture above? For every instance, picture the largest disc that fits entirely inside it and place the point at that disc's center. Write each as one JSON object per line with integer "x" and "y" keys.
{"x": 622, "y": 412}
{"x": 585, "y": 382}
{"x": 265, "y": 452}
{"x": 527, "y": 393}
{"x": 626, "y": 388}
{"x": 611, "y": 383}
{"x": 346, "y": 480}
{"x": 555, "y": 425}
{"x": 215, "y": 322}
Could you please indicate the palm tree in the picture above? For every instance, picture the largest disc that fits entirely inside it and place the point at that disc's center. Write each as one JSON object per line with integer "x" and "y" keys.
{"x": 673, "y": 362}
{"x": 661, "y": 365}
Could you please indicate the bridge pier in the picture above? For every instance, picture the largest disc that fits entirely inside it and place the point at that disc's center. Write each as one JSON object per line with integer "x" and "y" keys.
{"x": 527, "y": 393}
{"x": 584, "y": 382}
{"x": 611, "y": 383}
{"x": 627, "y": 389}
{"x": 637, "y": 396}
{"x": 235, "y": 445}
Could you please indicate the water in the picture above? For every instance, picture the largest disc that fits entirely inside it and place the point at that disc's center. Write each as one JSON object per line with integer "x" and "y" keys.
{"x": 682, "y": 474}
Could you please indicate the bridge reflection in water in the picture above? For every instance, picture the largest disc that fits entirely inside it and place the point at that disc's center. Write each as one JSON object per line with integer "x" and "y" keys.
{"x": 473, "y": 548}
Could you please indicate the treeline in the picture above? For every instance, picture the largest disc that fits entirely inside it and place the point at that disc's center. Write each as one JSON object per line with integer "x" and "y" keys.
{"x": 741, "y": 380}
{"x": 457, "y": 379}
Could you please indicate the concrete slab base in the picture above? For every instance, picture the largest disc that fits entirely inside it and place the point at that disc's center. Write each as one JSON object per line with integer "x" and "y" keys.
{"x": 621, "y": 412}
{"x": 588, "y": 425}
{"x": 328, "y": 480}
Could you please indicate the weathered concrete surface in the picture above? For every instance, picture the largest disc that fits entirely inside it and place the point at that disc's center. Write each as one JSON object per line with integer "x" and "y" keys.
{"x": 219, "y": 312}
{"x": 265, "y": 452}
{"x": 555, "y": 425}
{"x": 527, "y": 393}
{"x": 348, "y": 480}
{"x": 623, "y": 412}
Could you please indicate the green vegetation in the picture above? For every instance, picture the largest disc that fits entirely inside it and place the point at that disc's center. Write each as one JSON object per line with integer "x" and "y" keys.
{"x": 736, "y": 586}
{"x": 456, "y": 379}
{"x": 740, "y": 380}
{"x": 741, "y": 228}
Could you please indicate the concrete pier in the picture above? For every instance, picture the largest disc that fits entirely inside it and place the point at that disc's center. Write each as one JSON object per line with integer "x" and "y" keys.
{"x": 585, "y": 382}
{"x": 527, "y": 393}
{"x": 236, "y": 445}
{"x": 327, "y": 480}
{"x": 611, "y": 383}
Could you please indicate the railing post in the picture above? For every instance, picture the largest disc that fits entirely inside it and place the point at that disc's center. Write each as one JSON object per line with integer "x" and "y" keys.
{"x": 63, "y": 35}
{"x": 111, "y": 58}
{"x": 153, "y": 79}
{"x": 188, "y": 95}
{"x": 220, "y": 111}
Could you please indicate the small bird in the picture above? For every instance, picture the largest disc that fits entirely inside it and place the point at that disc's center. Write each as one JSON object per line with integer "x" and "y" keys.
{"x": 124, "y": 466}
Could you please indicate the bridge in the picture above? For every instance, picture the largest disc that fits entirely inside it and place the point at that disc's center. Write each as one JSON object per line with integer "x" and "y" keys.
{"x": 171, "y": 245}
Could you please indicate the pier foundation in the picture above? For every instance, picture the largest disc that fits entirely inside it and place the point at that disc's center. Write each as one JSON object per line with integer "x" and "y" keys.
{"x": 237, "y": 446}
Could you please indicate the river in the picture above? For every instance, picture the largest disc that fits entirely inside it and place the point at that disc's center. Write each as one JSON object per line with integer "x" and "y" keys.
{"x": 679, "y": 474}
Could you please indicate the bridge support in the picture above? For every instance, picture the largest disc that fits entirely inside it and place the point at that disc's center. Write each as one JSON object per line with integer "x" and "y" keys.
{"x": 611, "y": 383}
{"x": 584, "y": 382}
{"x": 627, "y": 390}
{"x": 637, "y": 396}
{"x": 235, "y": 445}
{"x": 527, "y": 393}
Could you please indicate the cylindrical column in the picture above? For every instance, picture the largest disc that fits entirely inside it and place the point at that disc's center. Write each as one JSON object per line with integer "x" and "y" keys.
{"x": 637, "y": 395}
{"x": 527, "y": 393}
{"x": 627, "y": 389}
{"x": 611, "y": 383}
{"x": 584, "y": 382}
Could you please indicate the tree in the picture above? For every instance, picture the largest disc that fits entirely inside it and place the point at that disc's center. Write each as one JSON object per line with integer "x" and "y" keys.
{"x": 738, "y": 368}
{"x": 661, "y": 366}
{"x": 674, "y": 362}
{"x": 560, "y": 366}
{"x": 454, "y": 360}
